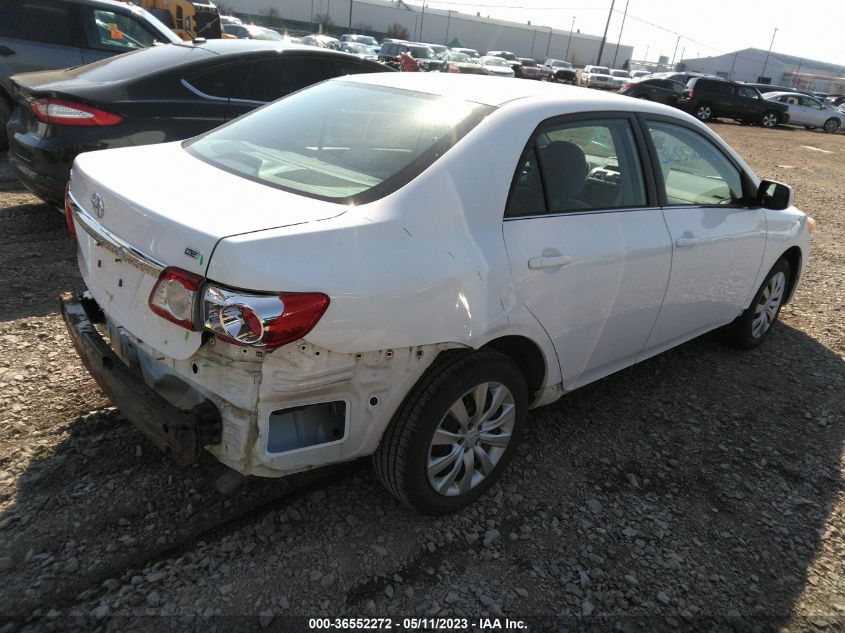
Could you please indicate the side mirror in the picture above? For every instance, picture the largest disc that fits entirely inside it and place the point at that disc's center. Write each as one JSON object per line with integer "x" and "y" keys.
{"x": 775, "y": 195}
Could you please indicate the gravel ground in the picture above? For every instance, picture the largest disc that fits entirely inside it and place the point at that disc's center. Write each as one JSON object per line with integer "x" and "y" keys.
{"x": 700, "y": 490}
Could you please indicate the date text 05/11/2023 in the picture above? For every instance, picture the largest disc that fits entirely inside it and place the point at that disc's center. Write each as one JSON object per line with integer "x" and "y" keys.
{"x": 413, "y": 624}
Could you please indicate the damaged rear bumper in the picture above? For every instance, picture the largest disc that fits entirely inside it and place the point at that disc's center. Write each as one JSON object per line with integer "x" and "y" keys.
{"x": 178, "y": 432}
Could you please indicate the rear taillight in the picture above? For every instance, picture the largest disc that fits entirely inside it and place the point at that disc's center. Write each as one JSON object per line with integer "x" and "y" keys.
{"x": 453, "y": 68}
{"x": 173, "y": 296}
{"x": 261, "y": 319}
{"x": 689, "y": 94}
{"x": 60, "y": 112}
{"x": 627, "y": 85}
{"x": 69, "y": 209}
{"x": 244, "y": 318}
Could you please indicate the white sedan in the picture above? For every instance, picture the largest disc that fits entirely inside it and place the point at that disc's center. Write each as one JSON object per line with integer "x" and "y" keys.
{"x": 597, "y": 77}
{"x": 496, "y": 66}
{"x": 404, "y": 265}
{"x": 809, "y": 111}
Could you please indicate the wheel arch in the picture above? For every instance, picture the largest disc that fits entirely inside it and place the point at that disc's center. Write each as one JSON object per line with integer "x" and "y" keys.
{"x": 795, "y": 257}
{"x": 526, "y": 355}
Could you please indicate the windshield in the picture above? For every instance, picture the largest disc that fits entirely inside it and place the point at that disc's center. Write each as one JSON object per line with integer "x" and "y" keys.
{"x": 259, "y": 33}
{"x": 421, "y": 52}
{"x": 495, "y": 61}
{"x": 136, "y": 64}
{"x": 621, "y": 73}
{"x": 458, "y": 57}
{"x": 340, "y": 141}
{"x": 599, "y": 70}
{"x": 364, "y": 39}
{"x": 558, "y": 64}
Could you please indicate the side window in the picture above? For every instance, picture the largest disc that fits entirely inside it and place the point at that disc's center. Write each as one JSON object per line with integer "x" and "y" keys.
{"x": 748, "y": 93}
{"x": 216, "y": 82}
{"x": 270, "y": 79}
{"x": 348, "y": 67}
{"x": 578, "y": 166}
{"x": 810, "y": 103}
{"x": 693, "y": 171}
{"x": 46, "y": 21}
{"x": 110, "y": 31}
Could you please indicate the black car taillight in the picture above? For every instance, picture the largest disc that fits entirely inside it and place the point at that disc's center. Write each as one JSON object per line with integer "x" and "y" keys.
{"x": 61, "y": 112}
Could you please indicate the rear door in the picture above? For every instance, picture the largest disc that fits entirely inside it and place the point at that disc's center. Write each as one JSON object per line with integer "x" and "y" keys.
{"x": 587, "y": 244}
{"x": 752, "y": 103}
{"x": 268, "y": 79}
{"x": 38, "y": 35}
{"x": 717, "y": 239}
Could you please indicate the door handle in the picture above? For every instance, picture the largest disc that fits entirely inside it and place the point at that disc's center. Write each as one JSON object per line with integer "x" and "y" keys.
{"x": 5, "y": 51}
{"x": 682, "y": 242}
{"x": 538, "y": 263}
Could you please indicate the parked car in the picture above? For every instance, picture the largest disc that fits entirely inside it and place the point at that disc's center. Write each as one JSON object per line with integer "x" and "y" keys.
{"x": 809, "y": 111}
{"x": 767, "y": 88}
{"x": 160, "y": 94}
{"x": 495, "y": 66}
{"x": 707, "y": 98}
{"x": 230, "y": 19}
{"x": 528, "y": 69}
{"x": 660, "y": 90}
{"x": 367, "y": 40}
{"x": 560, "y": 71}
{"x": 835, "y": 100}
{"x": 252, "y": 32}
{"x": 596, "y": 77}
{"x": 364, "y": 51}
{"x": 47, "y": 34}
{"x": 462, "y": 63}
{"x": 471, "y": 52}
{"x": 440, "y": 51}
{"x": 321, "y": 41}
{"x": 683, "y": 77}
{"x": 509, "y": 57}
{"x": 237, "y": 333}
{"x": 425, "y": 57}
{"x": 619, "y": 77}
{"x": 637, "y": 74}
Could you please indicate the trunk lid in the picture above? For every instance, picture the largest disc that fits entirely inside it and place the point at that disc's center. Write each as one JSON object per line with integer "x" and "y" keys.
{"x": 169, "y": 209}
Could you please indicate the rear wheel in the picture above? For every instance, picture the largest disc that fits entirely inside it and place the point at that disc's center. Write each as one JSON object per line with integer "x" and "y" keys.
{"x": 769, "y": 120}
{"x": 644, "y": 97}
{"x": 454, "y": 434}
{"x": 749, "y": 329}
{"x": 831, "y": 125}
{"x": 704, "y": 112}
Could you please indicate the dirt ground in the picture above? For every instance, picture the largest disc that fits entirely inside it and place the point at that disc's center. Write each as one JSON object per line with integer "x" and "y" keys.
{"x": 700, "y": 490}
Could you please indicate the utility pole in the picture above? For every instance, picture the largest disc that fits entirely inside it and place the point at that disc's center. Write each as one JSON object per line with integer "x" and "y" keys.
{"x": 549, "y": 43}
{"x": 765, "y": 63}
{"x": 533, "y": 40}
{"x": 569, "y": 41}
{"x": 422, "y": 17}
{"x": 645, "y": 59}
{"x": 624, "y": 15}
{"x": 350, "y": 15}
{"x": 604, "y": 37}
{"x": 678, "y": 41}
{"x": 448, "y": 24}
{"x": 731, "y": 74}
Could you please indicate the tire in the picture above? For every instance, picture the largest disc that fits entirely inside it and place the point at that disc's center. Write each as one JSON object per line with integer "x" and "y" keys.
{"x": 5, "y": 115}
{"x": 831, "y": 125}
{"x": 750, "y": 328}
{"x": 769, "y": 119}
{"x": 410, "y": 465}
{"x": 704, "y": 112}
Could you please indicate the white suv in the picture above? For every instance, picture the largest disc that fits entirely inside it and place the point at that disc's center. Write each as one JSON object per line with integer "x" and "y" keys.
{"x": 359, "y": 269}
{"x": 596, "y": 77}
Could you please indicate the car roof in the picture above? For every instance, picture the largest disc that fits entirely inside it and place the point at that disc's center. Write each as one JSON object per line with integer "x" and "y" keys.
{"x": 492, "y": 91}
{"x": 238, "y": 47}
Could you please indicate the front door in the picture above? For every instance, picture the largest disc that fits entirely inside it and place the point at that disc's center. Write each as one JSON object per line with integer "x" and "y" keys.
{"x": 588, "y": 249}
{"x": 717, "y": 240}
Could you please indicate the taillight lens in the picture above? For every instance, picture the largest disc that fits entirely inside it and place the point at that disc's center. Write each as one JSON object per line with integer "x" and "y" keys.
{"x": 627, "y": 85}
{"x": 69, "y": 209}
{"x": 453, "y": 68}
{"x": 173, "y": 296}
{"x": 689, "y": 94}
{"x": 261, "y": 319}
{"x": 60, "y": 112}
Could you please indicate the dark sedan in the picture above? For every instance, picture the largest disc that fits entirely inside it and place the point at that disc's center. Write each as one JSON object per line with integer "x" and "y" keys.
{"x": 165, "y": 93}
{"x": 660, "y": 90}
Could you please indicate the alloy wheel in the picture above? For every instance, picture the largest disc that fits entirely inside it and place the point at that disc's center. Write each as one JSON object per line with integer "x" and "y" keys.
{"x": 471, "y": 439}
{"x": 831, "y": 125}
{"x": 769, "y": 120}
{"x": 704, "y": 113}
{"x": 768, "y": 305}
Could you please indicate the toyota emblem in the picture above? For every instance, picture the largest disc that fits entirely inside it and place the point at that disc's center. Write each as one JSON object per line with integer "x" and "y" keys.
{"x": 99, "y": 206}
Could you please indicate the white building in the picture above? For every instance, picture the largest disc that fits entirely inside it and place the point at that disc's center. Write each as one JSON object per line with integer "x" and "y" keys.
{"x": 436, "y": 26}
{"x": 780, "y": 70}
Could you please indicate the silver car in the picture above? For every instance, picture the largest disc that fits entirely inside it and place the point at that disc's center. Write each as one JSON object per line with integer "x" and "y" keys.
{"x": 809, "y": 111}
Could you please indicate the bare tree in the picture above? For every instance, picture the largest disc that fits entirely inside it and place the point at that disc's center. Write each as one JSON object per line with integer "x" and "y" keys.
{"x": 272, "y": 16}
{"x": 398, "y": 32}
{"x": 324, "y": 20}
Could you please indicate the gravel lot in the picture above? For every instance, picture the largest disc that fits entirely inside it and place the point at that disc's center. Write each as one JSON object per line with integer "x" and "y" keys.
{"x": 701, "y": 490}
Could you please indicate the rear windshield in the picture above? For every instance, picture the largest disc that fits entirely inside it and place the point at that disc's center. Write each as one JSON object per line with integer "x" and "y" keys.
{"x": 599, "y": 70}
{"x": 139, "y": 63}
{"x": 340, "y": 141}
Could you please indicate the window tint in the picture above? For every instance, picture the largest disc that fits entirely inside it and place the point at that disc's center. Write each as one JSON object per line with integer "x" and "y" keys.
{"x": 39, "y": 21}
{"x": 748, "y": 93}
{"x": 810, "y": 103}
{"x": 270, "y": 79}
{"x": 110, "y": 31}
{"x": 217, "y": 81}
{"x": 351, "y": 67}
{"x": 578, "y": 166}
{"x": 692, "y": 170}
